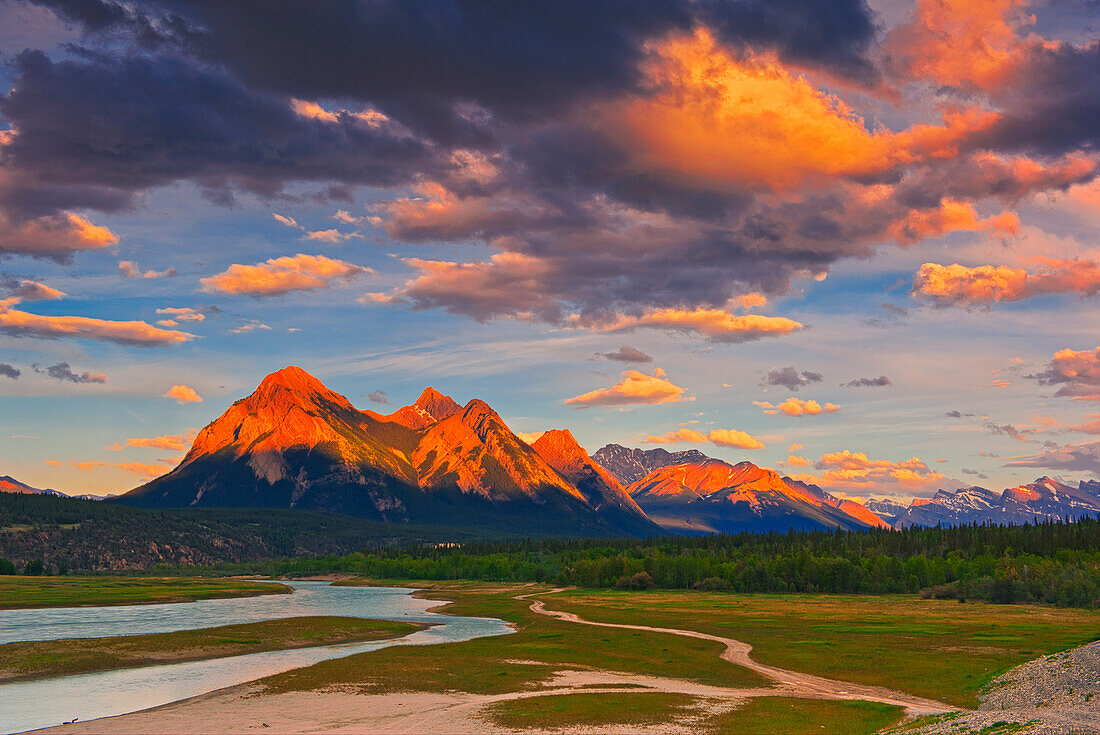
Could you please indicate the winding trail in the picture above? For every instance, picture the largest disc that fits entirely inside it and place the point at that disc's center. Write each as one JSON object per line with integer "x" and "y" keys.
{"x": 790, "y": 683}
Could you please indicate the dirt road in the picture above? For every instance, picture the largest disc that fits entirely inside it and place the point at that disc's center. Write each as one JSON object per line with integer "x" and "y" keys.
{"x": 790, "y": 683}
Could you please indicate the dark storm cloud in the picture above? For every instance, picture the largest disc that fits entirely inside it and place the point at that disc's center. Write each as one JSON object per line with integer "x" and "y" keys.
{"x": 626, "y": 354}
{"x": 147, "y": 122}
{"x": 1071, "y": 458}
{"x": 791, "y": 379}
{"x": 63, "y": 372}
{"x": 1054, "y": 104}
{"x": 510, "y": 57}
{"x": 378, "y": 396}
{"x": 1006, "y": 430}
{"x": 879, "y": 382}
{"x": 200, "y": 91}
{"x": 9, "y": 371}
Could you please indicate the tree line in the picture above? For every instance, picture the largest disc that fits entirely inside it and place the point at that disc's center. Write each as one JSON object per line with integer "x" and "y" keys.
{"x": 1055, "y": 563}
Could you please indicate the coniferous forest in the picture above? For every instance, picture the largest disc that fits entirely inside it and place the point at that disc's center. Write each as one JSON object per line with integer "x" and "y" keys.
{"x": 1052, "y": 563}
{"x": 1055, "y": 563}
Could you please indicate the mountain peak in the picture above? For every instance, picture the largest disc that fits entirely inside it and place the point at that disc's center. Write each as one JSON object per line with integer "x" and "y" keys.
{"x": 292, "y": 377}
{"x": 436, "y": 405}
{"x": 296, "y": 382}
{"x": 559, "y": 442}
{"x": 477, "y": 409}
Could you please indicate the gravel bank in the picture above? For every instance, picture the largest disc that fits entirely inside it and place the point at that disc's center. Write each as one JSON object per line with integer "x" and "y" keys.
{"x": 1058, "y": 694}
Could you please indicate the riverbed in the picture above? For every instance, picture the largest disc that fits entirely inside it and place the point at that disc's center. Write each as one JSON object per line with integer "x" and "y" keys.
{"x": 46, "y": 702}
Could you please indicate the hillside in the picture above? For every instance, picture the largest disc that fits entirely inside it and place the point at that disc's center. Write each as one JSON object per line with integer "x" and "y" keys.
{"x": 92, "y": 536}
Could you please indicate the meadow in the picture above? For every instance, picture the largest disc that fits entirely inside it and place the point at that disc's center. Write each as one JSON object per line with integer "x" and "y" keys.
{"x": 25, "y": 592}
{"x": 40, "y": 659}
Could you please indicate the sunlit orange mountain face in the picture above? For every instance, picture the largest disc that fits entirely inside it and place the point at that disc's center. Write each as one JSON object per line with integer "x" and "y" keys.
{"x": 294, "y": 443}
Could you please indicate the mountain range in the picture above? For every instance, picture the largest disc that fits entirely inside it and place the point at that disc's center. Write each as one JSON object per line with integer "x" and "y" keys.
{"x": 1044, "y": 499}
{"x": 295, "y": 444}
{"x": 9, "y": 484}
{"x": 692, "y": 493}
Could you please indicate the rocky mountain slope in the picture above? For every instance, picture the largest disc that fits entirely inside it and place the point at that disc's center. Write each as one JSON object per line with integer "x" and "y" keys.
{"x": 294, "y": 443}
{"x": 9, "y": 484}
{"x": 710, "y": 495}
{"x": 631, "y": 465}
{"x": 1037, "y": 501}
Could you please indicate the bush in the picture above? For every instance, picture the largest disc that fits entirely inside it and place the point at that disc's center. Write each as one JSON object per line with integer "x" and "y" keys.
{"x": 7, "y": 566}
{"x": 640, "y": 581}
{"x": 714, "y": 584}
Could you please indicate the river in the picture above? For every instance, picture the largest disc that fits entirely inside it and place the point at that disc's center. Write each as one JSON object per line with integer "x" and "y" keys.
{"x": 46, "y": 702}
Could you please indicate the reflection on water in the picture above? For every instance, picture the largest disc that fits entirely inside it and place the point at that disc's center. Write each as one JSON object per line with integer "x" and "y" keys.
{"x": 35, "y": 704}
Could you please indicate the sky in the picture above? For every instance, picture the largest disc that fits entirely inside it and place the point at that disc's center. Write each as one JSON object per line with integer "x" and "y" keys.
{"x": 856, "y": 242}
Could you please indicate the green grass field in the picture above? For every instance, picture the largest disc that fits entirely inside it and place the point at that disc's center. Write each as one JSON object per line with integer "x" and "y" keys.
{"x": 25, "y": 592}
{"x": 933, "y": 648}
{"x": 592, "y": 710}
{"x": 786, "y": 716}
{"x": 521, "y": 660}
{"x": 40, "y": 659}
{"x": 759, "y": 716}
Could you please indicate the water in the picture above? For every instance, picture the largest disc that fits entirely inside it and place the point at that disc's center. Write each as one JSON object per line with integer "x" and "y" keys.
{"x": 43, "y": 703}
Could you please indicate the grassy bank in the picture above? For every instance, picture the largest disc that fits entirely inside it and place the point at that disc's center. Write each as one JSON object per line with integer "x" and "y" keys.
{"x": 932, "y": 648}
{"x": 41, "y": 659}
{"x": 26, "y": 592}
{"x": 761, "y": 716}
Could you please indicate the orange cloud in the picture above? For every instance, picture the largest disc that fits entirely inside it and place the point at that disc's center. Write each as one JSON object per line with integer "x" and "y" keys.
{"x": 183, "y": 394}
{"x": 718, "y": 324}
{"x": 1089, "y": 427}
{"x": 749, "y": 122}
{"x": 952, "y": 216}
{"x": 314, "y": 111}
{"x": 140, "y": 334}
{"x": 797, "y": 407}
{"x": 734, "y": 438}
{"x": 288, "y": 221}
{"x": 680, "y": 435}
{"x": 856, "y": 471}
{"x": 148, "y": 471}
{"x": 635, "y": 388}
{"x": 962, "y": 43}
{"x": 168, "y": 441}
{"x": 960, "y": 285}
{"x": 793, "y": 460}
{"x": 183, "y": 313}
{"x": 507, "y": 284}
{"x": 56, "y": 236}
{"x": 279, "y": 276}
{"x": 1077, "y": 372}
{"x": 719, "y": 437}
{"x": 33, "y": 291}
{"x": 330, "y": 236}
